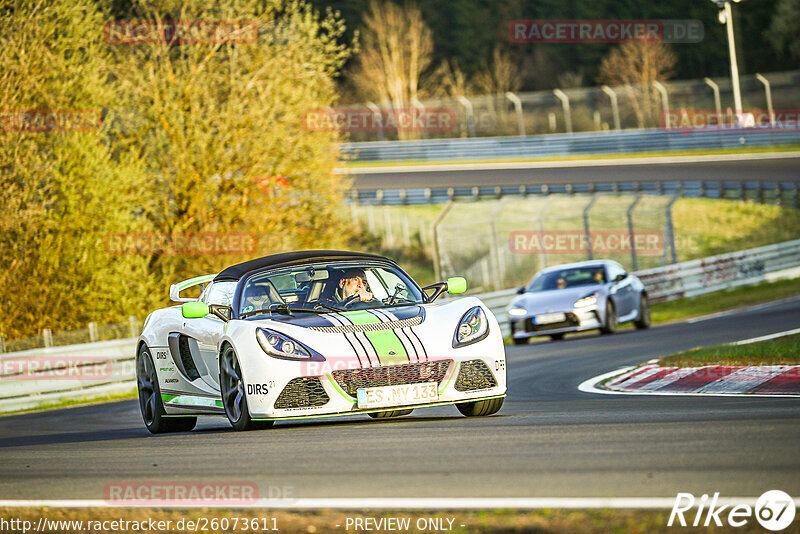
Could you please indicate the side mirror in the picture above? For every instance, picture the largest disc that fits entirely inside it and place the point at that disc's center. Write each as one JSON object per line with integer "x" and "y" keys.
{"x": 621, "y": 277}
{"x": 456, "y": 285}
{"x": 223, "y": 312}
{"x": 520, "y": 290}
{"x": 193, "y": 310}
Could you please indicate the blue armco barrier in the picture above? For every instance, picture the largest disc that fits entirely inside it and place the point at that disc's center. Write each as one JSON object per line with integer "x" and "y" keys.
{"x": 482, "y": 148}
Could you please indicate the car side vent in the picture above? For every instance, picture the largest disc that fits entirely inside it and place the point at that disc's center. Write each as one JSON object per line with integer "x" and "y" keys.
{"x": 474, "y": 374}
{"x": 181, "y": 352}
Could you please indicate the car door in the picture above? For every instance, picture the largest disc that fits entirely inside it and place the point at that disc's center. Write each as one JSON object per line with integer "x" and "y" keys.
{"x": 206, "y": 331}
{"x": 622, "y": 289}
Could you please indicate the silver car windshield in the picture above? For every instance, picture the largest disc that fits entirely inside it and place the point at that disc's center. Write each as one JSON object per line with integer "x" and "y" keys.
{"x": 564, "y": 278}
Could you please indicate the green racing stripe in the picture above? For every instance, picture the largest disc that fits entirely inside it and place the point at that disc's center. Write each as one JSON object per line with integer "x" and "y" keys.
{"x": 385, "y": 342}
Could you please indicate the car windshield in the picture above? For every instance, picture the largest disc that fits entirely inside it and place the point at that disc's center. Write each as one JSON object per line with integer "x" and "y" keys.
{"x": 326, "y": 286}
{"x": 564, "y": 278}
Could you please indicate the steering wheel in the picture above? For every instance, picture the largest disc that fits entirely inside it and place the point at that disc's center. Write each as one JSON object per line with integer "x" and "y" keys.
{"x": 349, "y": 301}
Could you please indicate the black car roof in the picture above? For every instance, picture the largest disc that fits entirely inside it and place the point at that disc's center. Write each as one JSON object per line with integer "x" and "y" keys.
{"x": 235, "y": 272}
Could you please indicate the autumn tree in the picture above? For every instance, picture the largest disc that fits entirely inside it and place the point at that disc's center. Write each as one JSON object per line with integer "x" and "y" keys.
{"x": 396, "y": 48}
{"x": 635, "y": 65}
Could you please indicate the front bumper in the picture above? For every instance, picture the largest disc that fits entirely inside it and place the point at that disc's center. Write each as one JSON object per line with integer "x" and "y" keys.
{"x": 577, "y": 320}
{"x": 293, "y": 389}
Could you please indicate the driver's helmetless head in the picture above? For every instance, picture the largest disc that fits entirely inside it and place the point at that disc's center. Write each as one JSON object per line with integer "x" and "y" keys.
{"x": 351, "y": 281}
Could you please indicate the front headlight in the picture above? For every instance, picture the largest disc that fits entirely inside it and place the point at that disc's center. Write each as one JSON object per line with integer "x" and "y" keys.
{"x": 281, "y": 346}
{"x": 589, "y": 300}
{"x": 472, "y": 327}
{"x": 517, "y": 312}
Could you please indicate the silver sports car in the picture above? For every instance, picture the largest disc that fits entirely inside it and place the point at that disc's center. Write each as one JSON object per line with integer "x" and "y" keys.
{"x": 576, "y": 297}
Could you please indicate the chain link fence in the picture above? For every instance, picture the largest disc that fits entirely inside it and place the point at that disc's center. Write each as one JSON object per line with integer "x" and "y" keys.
{"x": 591, "y": 109}
{"x": 91, "y": 333}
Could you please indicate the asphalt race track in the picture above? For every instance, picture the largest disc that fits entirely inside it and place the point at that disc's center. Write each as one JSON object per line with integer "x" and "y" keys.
{"x": 549, "y": 440}
{"x": 771, "y": 170}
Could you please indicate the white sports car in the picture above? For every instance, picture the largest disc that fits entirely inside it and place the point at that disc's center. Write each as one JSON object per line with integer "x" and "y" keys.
{"x": 316, "y": 333}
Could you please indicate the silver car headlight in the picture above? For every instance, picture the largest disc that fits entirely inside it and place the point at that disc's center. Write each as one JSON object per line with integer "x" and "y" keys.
{"x": 517, "y": 312}
{"x": 589, "y": 300}
{"x": 281, "y": 346}
{"x": 472, "y": 328}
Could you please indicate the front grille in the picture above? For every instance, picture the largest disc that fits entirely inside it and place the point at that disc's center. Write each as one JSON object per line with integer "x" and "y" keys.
{"x": 368, "y": 327}
{"x": 351, "y": 380}
{"x": 473, "y": 375}
{"x": 302, "y": 393}
{"x": 571, "y": 320}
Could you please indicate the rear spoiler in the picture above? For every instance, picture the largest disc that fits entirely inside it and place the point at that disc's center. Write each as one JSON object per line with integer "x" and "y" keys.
{"x": 175, "y": 289}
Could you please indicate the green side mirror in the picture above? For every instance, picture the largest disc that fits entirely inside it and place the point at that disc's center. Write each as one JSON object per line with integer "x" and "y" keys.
{"x": 193, "y": 310}
{"x": 456, "y": 285}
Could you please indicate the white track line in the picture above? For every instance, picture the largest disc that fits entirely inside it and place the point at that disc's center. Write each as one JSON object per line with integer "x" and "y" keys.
{"x": 614, "y": 162}
{"x": 399, "y": 503}
{"x": 768, "y": 336}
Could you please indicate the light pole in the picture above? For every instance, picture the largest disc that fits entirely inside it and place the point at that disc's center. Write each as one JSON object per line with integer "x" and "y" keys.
{"x": 726, "y": 17}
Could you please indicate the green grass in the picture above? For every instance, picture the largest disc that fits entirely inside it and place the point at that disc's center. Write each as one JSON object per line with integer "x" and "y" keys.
{"x": 779, "y": 351}
{"x": 629, "y": 155}
{"x": 686, "y": 308}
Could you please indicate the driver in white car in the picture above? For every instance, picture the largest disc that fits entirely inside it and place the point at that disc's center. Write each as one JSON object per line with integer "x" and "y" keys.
{"x": 352, "y": 289}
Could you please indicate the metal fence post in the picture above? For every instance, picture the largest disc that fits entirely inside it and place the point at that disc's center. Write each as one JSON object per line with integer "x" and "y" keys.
{"x": 2, "y": 343}
{"x": 717, "y": 104}
{"x": 586, "y": 226}
{"x": 437, "y": 266}
{"x": 614, "y": 105}
{"x": 133, "y": 324}
{"x": 518, "y": 108}
{"x": 470, "y": 114}
{"x": 388, "y": 235}
{"x": 561, "y": 95}
{"x": 629, "y": 215}
{"x": 94, "y": 336}
{"x": 664, "y": 100}
{"x": 768, "y": 91}
{"x": 670, "y": 233}
{"x": 47, "y": 336}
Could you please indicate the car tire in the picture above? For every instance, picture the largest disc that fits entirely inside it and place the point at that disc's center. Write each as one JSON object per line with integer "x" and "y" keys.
{"x": 150, "y": 404}
{"x": 480, "y": 408}
{"x": 610, "y": 325}
{"x": 520, "y": 340}
{"x": 232, "y": 388}
{"x": 388, "y": 415}
{"x": 557, "y": 337}
{"x": 643, "y": 321}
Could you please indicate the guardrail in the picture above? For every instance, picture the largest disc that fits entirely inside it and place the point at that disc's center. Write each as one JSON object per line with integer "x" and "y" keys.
{"x": 624, "y": 141}
{"x": 41, "y": 377}
{"x": 49, "y": 376}
{"x": 787, "y": 193}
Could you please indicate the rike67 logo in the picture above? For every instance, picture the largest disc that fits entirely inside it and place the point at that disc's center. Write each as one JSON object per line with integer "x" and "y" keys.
{"x": 774, "y": 510}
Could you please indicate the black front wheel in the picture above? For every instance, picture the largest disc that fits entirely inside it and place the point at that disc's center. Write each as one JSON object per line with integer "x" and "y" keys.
{"x": 480, "y": 408}
{"x": 610, "y": 325}
{"x": 643, "y": 321}
{"x": 233, "y": 393}
{"x": 152, "y": 408}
